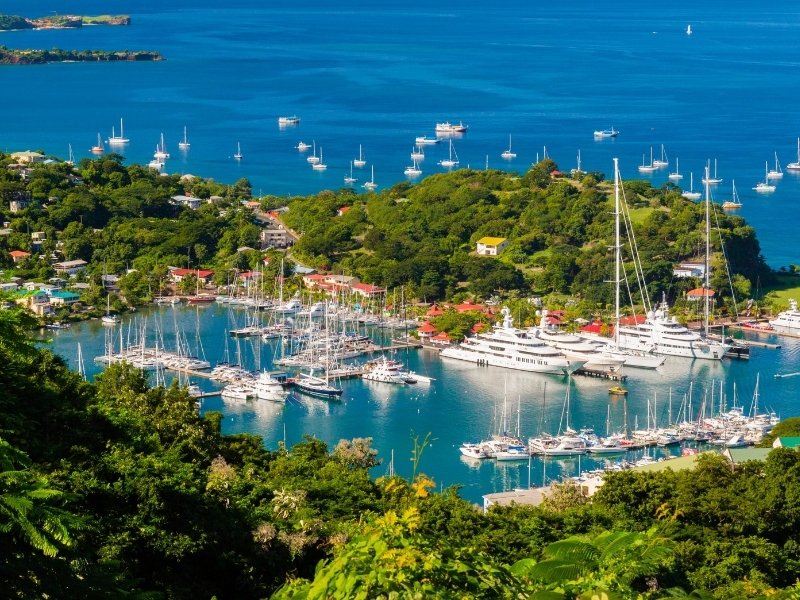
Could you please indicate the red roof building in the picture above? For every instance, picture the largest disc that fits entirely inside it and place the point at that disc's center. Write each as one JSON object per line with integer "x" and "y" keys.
{"x": 19, "y": 255}
{"x": 442, "y": 338}
{"x": 434, "y": 311}
{"x": 342, "y": 210}
{"x": 202, "y": 274}
{"x": 367, "y": 290}
{"x": 632, "y": 320}
{"x": 478, "y": 327}
{"x": 468, "y": 306}
{"x": 699, "y": 293}
{"x": 426, "y": 330}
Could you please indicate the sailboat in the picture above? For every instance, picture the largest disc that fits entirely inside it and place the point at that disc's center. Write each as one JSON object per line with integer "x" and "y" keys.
{"x": 795, "y": 166}
{"x": 676, "y": 176}
{"x": 775, "y": 173}
{"x": 765, "y": 186}
{"x": 161, "y": 151}
{"x": 313, "y": 159}
{"x": 647, "y": 168}
{"x": 238, "y": 155}
{"x": 359, "y": 162}
{"x": 98, "y": 148}
{"x": 108, "y": 318}
{"x": 302, "y": 146}
{"x": 371, "y": 185}
{"x": 413, "y": 170}
{"x": 712, "y": 180}
{"x": 321, "y": 387}
{"x": 417, "y": 153}
{"x": 662, "y": 162}
{"x": 116, "y": 140}
{"x": 508, "y": 154}
{"x": 450, "y": 161}
{"x": 734, "y": 202}
{"x": 71, "y": 159}
{"x": 688, "y": 30}
{"x": 184, "y": 143}
{"x": 577, "y": 170}
{"x": 348, "y": 179}
{"x": 691, "y": 194}
{"x": 319, "y": 165}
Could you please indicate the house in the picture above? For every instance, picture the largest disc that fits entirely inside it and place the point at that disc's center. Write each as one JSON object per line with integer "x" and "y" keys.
{"x": 8, "y": 286}
{"x": 700, "y": 293}
{"x": 177, "y": 275}
{"x": 491, "y": 246}
{"x": 63, "y": 298}
{"x": 738, "y": 456}
{"x": 188, "y": 201}
{"x": 37, "y": 239}
{"x": 18, "y": 201}
{"x": 70, "y": 267}
{"x": 468, "y": 306}
{"x": 252, "y": 204}
{"x": 441, "y": 339}
{"x": 426, "y": 330}
{"x": 19, "y": 255}
{"x": 315, "y": 280}
{"x": 338, "y": 283}
{"x": 27, "y": 157}
{"x": 276, "y": 237}
{"x": 343, "y": 210}
{"x": 36, "y": 301}
{"x": 367, "y": 290}
{"x": 690, "y": 269}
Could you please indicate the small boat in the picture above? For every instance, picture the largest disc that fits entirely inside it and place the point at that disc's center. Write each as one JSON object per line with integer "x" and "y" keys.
{"x": 712, "y": 180}
{"x": 508, "y": 154}
{"x": 109, "y": 319}
{"x": 99, "y": 148}
{"x": 450, "y": 162}
{"x": 775, "y": 173}
{"x": 417, "y": 153}
{"x": 238, "y": 155}
{"x": 413, "y": 170}
{"x": 349, "y": 179}
{"x": 184, "y": 143}
{"x": 765, "y": 187}
{"x": 471, "y": 450}
{"x": 161, "y": 151}
{"x": 359, "y": 162}
{"x": 117, "y": 140}
{"x": 617, "y": 390}
{"x": 448, "y": 127}
{"x": 316, "y": 386}
{"x": 647, "y": 168}
{"x": 286, "y": 121}
{"x": 691, "y": 194}
{"x": 795, "y": 166}
{"x": 313, "y": 159}
{"x": 370, "y": 185}
{"x": 426, "y": 141}
{"x": 688, "y": 30}
{"x": 201, "y": 299}
{"x": 319, "y": 165}
{"x": 302, "y": 146}
{"x": 606, "y": 133}
{"x": 662, "y": 162}
{"x": 676, "y": 176}
{"x": 734, "y": 202}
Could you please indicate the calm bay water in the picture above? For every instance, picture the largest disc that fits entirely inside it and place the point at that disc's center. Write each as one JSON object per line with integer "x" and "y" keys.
{"x": 382, "y": 74}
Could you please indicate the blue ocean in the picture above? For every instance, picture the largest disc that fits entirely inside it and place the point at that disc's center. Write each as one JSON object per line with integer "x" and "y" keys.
{"x": 379, "y": 75}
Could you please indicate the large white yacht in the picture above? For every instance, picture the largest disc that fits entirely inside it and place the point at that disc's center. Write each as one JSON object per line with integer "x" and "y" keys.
{"x": 507, "y": 346}
{"x": 663, "y": 335}
{"x": 788, "y": 320}
{"x": 575, "y": 347}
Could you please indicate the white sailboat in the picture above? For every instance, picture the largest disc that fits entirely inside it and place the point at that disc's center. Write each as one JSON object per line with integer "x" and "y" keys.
{"x": 359, "y": 162}
{"x": 508, "y": 154}
{"x": 319, "y": 165}
{"x": 450, "y": 162}
{"x": 117, "y": 140}
{"x": 647, "y": 168}
{"x": 71, "y": 159}
{"x": 417, "y": 153}
{"x": 712, "y": 180}
{"x": 765, "y": 187}
{"x": 371, "y": 185}
{"x": 98, "y": 148}
{"x": 662, "y": 162}
{"x": 413, "y": 170}
{"x": 184, "y": 143}
{"x": 109, "y": 319}
{"x": 691, "y": 194}
{"x": 795, "y": 166}
{"x": 734, "y": 202}
{"x": 688, "y": 30}
{"x": 349, "y": 179}
{"x": 775, "y": 173}
{"x": 313, "y": 159}
{"x": 161, "y": 151}
{"x": 238, "y": 155}
{"x": 302, "y": 146}
{"x": 676, "y": 176}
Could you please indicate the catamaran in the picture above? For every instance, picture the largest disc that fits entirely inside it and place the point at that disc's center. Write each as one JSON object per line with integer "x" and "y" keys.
{"x": 184, "y": 143}
{"x": 116, "y": 140}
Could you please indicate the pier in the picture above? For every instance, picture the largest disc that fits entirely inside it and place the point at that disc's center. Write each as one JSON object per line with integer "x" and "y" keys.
{"x": 601, "y": 374}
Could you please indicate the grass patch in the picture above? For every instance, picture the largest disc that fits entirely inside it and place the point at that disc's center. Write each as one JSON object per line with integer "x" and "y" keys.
{"x": 788, "y": 286}
{"x": 638, "y": 215}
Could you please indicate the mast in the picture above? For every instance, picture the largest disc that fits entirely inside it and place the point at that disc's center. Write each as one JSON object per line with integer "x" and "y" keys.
{"x": 616, "y": 253}
{"x": 708, "y": 248}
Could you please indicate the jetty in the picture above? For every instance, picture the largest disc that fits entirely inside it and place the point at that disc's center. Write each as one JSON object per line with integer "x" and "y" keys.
{"x": 601, "y": 374}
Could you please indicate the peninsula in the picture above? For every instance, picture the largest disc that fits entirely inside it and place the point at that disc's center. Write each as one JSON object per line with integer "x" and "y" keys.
{"x": 15, "y": 23}
{"x": 10, "y": 56}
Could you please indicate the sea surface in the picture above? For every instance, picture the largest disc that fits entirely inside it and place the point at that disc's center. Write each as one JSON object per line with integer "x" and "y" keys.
{"x": 378, "y": 75}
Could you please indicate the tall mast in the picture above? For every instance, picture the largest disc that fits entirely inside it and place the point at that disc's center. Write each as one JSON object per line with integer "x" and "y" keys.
{"x": 708, "y": 249}
{"x": 616, "y": 253}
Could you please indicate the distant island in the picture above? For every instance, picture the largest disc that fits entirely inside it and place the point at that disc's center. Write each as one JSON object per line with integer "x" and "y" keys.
{"x": 40, "y": 57}
{"x": 14, "y": 22}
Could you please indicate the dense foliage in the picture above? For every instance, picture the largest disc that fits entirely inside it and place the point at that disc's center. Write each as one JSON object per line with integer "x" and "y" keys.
{"x": 114, "y": 489}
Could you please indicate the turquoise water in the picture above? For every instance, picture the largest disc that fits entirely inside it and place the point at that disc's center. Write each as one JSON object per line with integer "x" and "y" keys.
{"x": 464, "y": 403}
{"x": 382, "y": 74}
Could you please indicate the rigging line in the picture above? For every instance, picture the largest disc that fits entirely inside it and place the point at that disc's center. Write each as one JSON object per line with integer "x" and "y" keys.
{"x": 727, "y": 266}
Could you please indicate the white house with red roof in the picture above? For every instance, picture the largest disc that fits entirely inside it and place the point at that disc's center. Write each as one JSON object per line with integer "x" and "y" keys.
{"x": 177, "y": 275}
{"x": 367, "y": 290}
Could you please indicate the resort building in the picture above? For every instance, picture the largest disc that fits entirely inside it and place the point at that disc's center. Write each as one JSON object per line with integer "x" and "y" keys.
{"x": 70, "y": 267}
{"x": 689, "y": 269}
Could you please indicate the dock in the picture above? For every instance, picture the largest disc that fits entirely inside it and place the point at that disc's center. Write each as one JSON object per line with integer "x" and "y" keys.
{"x": 601, "y": 374}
